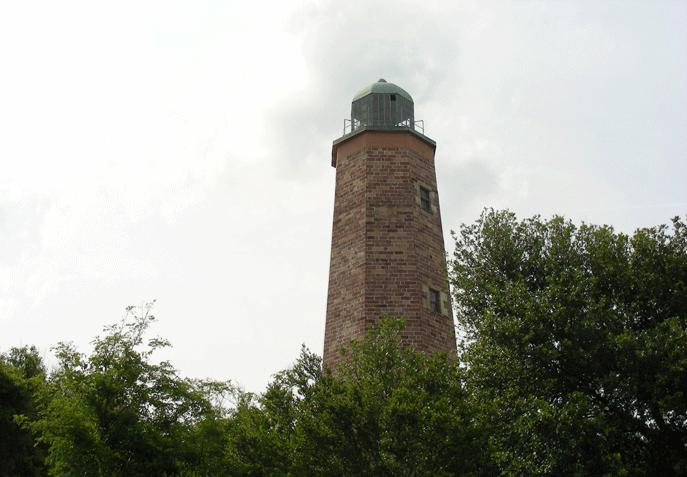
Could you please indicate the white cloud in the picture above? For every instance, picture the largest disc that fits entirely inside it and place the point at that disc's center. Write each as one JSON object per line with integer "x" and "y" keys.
{"x": 180, "y": 150}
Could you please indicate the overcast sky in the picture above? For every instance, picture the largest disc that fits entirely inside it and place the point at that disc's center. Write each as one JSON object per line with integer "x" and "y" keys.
{"x": 180, "y": 150}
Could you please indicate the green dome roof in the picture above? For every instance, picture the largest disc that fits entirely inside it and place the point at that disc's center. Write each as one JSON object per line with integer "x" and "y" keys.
{"x": 382, "y": 87}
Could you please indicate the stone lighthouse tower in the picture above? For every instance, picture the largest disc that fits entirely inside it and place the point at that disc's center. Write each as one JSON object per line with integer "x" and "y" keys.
{"x": 387, "y": 255}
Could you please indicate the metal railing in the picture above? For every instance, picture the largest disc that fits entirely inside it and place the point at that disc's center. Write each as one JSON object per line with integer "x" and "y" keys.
{"x": 351, "y": 125}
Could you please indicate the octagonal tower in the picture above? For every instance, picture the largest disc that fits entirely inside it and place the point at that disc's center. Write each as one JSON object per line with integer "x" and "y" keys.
{"x": 387, "y": 256}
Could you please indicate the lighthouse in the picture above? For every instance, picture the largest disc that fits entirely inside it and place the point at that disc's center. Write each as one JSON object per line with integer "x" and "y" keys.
{"x": 387, "y": 253}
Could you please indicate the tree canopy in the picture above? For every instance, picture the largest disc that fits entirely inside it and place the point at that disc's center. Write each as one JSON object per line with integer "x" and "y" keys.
{"x": 22, "y": 376}
{"x": 575, "y": 342}
{"x": 387, "y": 411}
{"x": 572, "y": 361}
{"x": 118, "y": 413}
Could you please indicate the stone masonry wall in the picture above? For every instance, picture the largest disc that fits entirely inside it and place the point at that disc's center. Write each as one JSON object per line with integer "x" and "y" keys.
{"x": 346, "y": 293}
{"x": 387, "y": 251}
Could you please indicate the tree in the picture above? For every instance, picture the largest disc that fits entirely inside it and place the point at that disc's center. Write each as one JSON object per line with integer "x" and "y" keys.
{"x": 22, "y": 375}
{"x": 387, "y": 411}
{"x": 575, "y": 344}
{"x": 390, "y": 410}
{"x": 116, "y": 413}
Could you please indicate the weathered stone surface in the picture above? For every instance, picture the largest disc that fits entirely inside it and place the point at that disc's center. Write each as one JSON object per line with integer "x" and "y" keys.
{"x": 387, "y": 251}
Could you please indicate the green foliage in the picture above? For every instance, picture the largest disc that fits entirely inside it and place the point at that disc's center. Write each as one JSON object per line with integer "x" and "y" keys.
{"x": 572, "y": 361}
{"x": 387, "y": 410}
{"x": 115, "y": 413}
{"x": 22, "y": 375}
{"x": 575, "y": 344}
{"x": 390, "y": 410}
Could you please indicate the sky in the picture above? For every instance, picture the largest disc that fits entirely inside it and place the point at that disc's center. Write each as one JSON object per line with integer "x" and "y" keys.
{"x": 179, "y": 151}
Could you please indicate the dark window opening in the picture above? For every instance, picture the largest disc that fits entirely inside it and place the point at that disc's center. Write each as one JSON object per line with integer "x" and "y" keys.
{"x": 434, "y": 303}
{"x": 393, "y": 97}
{"x": 424, "y": 199}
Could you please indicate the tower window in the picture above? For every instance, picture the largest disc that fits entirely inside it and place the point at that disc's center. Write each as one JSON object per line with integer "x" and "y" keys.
{"x": 392, "y": 97}
{"x": 424, "y": 199}
{"x": 434, "y": 303}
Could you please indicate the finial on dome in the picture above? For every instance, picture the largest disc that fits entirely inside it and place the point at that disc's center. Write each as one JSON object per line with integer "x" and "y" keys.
{"x": 382, "y": 86}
